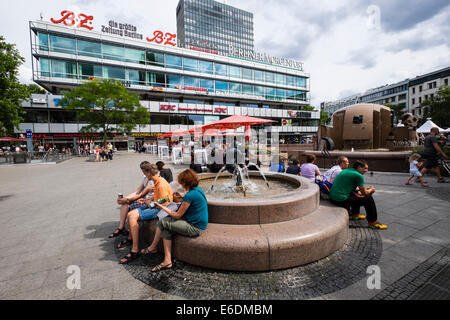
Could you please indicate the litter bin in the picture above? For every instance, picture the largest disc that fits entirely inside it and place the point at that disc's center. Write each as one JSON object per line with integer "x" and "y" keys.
{"x": 20, "y": 157}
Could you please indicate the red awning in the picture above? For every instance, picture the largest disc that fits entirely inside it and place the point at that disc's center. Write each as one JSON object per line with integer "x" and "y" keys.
{"x": 11, "y": 139}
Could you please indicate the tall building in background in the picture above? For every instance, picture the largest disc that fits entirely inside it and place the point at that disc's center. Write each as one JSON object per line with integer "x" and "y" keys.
{"x": 212, "y": 26}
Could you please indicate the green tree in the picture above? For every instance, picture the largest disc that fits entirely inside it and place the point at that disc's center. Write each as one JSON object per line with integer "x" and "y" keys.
{"x": 107, "y": 106}
{"x": 308, "y": 108}
{"x": 34, "y": 88}
{"x": 438, "y": 107}
{"x": 324, "y": 118}
{"x": 12, "y": 93}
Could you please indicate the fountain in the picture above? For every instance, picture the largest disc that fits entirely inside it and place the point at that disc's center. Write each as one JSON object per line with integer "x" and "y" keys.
{"x": 261, "y": 221}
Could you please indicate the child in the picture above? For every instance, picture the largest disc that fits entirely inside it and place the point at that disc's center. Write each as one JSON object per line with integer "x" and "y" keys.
{"x": 414, "y": 170}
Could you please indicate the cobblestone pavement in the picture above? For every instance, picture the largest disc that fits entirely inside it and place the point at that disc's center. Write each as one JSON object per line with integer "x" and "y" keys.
{"x": 60, "y": 215}
{"x": 327, "y": 275}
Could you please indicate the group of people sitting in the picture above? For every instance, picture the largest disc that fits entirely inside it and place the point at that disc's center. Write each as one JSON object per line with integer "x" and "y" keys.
{"x": 186, "y": 214}
{"x": 344, "y": 186}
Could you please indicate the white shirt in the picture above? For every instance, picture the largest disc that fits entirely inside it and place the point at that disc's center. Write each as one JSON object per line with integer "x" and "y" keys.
{"x": 147, "y": 183}
{"x": 413, "y": 166}
{"x": 333, "y": 173}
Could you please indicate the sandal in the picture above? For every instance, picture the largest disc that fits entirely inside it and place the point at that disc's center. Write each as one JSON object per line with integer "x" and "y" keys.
{"x": 145, "y": 251}
{"x": 118, "y": 232}
{"x": 130, "y": 257}
{"x": 377, "y": 225}
{"x": 162, "y": 267}
{"x": 357, "y": 217}
{"x": 124, "y": 243}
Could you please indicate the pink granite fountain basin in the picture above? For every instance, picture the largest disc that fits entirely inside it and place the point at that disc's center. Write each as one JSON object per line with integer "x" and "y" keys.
{"x": 282, "y": 229}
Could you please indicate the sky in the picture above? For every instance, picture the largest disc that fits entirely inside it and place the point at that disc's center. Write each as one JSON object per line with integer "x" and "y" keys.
{"x": 347, "y": 46}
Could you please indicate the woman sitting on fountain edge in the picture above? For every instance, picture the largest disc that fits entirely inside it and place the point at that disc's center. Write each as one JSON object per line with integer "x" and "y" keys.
{"x": 190, "y": 220}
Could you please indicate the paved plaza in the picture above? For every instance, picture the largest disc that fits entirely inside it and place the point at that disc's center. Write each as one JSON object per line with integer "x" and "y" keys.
{"x": 54, "y": 216}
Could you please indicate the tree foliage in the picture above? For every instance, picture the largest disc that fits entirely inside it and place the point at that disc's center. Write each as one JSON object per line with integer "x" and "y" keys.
{"x": 308, "y": 108}
{"x": 397, "y": 111}
{"x": 324, "y": 118}
{"x": 106, "y": 106}
{"x": 12, "y": 93}
{"x": 438, "y": 107}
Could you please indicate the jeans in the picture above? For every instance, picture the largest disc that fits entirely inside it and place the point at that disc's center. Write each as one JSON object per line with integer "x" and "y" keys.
{"x": 354, "y": 202}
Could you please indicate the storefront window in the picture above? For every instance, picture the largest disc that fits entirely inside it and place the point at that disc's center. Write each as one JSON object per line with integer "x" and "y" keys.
{"x": 280, "y": 78}
{"x": 247, "y": 74}
{"x": 222, "y": 86}
{"x": 270, "y": 77}
{"x": 270, "y": 93}
{"x": 157, "y": 79}
{"x": 64, "y": 69}
{"x": 190, "y": 64}
{"x": 36, "y": 116}
{"x": 136, "y": 77}
{"x": 207, "y": 84}
{"x": 290, "y": 81}
{"x": 155, "y": 59}
{"x": 173, "y": 62}
{"x": 113, "y": 52}
{"x": 280, "y": 93}
{"x": 235, "y": 87}
{"x": 135, "y": 56}
{"x": 259, "y": 75}
{"x": 89, "y": 48}
{"x": 235, "y": 72}
{"x": 300, "y": 82}
{"x": 221, "y": 69}
{"x": 247, "y": 89}
{"x": 174, "y": 81}
{"x": 61, "y": 44}
{"x": 206, "y": 67}
{"x": 114, "y": 73}
{"x": 45, "y": 67}
{"x": 43, "y": 41}
{"x": 259, "y": 91}
{"x": 89, "y": 70}
{"x": 191, "y": 82}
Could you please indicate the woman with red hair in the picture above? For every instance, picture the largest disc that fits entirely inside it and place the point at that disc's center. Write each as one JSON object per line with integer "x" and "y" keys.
{"x": 190, "y": 220}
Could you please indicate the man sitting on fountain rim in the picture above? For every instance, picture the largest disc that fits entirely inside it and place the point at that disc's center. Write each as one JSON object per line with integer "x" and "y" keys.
{"x": 343, "y": 194}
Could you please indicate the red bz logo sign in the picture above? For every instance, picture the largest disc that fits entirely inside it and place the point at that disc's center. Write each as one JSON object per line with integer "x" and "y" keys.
{"x": 167, "y": 107}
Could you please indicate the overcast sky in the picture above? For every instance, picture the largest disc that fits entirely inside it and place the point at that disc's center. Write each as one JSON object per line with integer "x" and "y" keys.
{"x": 347, "y": 46}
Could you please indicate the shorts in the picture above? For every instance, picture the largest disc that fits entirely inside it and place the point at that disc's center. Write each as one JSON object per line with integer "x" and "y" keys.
{"x": 415, "y": 173}
{"x": 431, "y": 162}
{"x": 147, "y": 214}
{"x": 135, "y": 205}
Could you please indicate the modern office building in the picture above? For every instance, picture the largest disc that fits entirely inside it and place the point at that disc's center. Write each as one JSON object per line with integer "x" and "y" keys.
{"x": 212, "y": 26}
{"x": 424, "y": 87}
{"x": 180, "y": 87}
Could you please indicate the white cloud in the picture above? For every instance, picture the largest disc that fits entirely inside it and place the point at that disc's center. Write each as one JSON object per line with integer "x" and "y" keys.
{"x": 332, "y": 38}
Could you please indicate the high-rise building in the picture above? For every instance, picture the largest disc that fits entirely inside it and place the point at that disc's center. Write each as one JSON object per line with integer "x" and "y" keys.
{"x": 212, "y": 26}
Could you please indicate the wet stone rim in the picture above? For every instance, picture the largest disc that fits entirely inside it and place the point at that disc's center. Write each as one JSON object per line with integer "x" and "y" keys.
{"x": 333, "y": 273}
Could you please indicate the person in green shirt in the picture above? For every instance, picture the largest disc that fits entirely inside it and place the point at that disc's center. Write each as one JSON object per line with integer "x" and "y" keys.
{"x": 348, "y": 191}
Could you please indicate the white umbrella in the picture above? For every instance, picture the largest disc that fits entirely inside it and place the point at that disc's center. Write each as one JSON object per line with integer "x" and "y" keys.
{"x": 426, "y": 127}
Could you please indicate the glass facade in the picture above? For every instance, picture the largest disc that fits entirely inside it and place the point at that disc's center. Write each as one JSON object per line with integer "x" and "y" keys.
{"x": 274, "y": 87}
{"x": 215, "y": 25}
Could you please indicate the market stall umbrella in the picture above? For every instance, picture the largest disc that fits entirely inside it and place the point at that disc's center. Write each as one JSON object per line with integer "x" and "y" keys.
{"x": 174, "y": 133}
{"x": 426, "y": 127}
{"x": 235, "y": 122}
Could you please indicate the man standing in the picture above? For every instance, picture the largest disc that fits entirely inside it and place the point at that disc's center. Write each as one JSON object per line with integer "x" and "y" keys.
{"x": 431, "y": 149}
{"x": 343, "y": 194}
{"x": 337, "y": 169}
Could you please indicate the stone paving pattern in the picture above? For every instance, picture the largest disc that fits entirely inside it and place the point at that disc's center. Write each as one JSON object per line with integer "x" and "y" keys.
{"x": 56, "y": 215}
